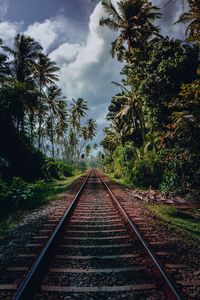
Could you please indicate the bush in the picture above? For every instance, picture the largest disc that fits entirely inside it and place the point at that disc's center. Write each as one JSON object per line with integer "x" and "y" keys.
{"x": 39, "y": 189}
{"x": 124, "y": 158}
{"x": 82, "y": 166}
{"x": 66, "y": 169}
{"x": 58, "y": 169}
{"x": 52, "y": 169}
{"x": 147, "y": 171}
{"x": 21, "y": 195}
{"x": 181, "y": 171}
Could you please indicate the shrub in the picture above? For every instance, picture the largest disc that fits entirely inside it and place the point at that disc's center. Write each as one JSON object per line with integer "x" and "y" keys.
{"x": 181, "y": 171}
{"x": 21, "y": 192}
{"x": 147, "y": 171}
{"x": 124, "y": 158}
{"x": 82, "y": 166}
{"x": 21, "y": 195}
{"x": 39, "y": 190}
{"x": 52, "y": 169}
{"x": 58, "y": 169}
{"x": 66, "y": 169}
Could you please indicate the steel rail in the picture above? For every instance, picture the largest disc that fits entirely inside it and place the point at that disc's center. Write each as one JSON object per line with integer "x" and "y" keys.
{"x": 171, "y": 289}
{"x": 29, "y": 283}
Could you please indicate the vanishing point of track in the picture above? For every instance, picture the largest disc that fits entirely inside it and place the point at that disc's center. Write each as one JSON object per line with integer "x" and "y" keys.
{"x": 96, "y": 252}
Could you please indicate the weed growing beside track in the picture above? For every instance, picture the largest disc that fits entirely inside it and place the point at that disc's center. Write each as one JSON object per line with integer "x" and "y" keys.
{"x": 177, "y": 219}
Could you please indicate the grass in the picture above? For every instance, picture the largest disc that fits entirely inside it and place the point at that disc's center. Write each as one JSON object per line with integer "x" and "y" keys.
{"x": 51, "y": 192}
{"x": 169, "y": 214}
{"x": 57, "y": 187}
{"x": 120, "y": 181}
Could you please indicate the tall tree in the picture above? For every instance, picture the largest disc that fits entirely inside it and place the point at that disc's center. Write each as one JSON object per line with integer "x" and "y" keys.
{"x": 91, "y": 127}
{"x": 134, "y": 20}
{"x": 4, "y": 66}
{"x": 44, "y": 74}
{"x": 24, "y": 55}
{"x": 78, "y": 110}
{"x": 54, "y": 96}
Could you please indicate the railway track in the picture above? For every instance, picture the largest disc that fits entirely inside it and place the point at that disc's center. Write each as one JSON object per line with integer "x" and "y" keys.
{"x": 95, "y": 252}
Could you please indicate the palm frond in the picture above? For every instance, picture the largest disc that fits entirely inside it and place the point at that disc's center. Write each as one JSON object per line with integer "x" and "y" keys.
{"x": 110, "y": 23}
{"x": 110, "y": 9}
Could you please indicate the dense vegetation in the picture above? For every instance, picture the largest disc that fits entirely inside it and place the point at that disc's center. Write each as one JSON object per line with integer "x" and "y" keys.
{"x": 154, "y": 122}
{"x": 41, "y": 137}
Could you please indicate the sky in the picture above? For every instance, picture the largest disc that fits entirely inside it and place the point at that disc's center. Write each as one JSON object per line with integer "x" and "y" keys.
{"x": 69, "y": 32}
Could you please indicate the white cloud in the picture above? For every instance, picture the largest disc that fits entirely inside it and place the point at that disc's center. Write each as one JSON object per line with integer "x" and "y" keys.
{"x": 51, "y": 32}
{"x": 65, "y": 53}
{"x": 88, "y": 69}
{"x": 8, "y": 30}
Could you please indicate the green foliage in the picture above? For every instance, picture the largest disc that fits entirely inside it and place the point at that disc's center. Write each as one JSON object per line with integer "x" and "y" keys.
{"x": 20, "y": 195}
{"x": 58, "y": 169}
{"x": 177, "y": 219}
{"x": 124, "y": 158}
{"x": 148, "y": 171}
{"x": 181, "y": 171}
{"x": 160, "y": 101}
{"x": 81, "y": 166}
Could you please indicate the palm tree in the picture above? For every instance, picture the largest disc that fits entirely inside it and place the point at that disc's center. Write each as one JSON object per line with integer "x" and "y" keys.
{"x": 45, "y": 70}
{"x": 24, "y": 56}
{"x": 111, "y": 139}
{"x": 91, "y": 127}
{"x": 78, "y": 111}
{"x": 133, "y": 18}
{"x": 4, "y": 66}
{"x": 25, "y": 53}
{"x": 131, "y": 117}
{"x": 61, "y": 122}
{"x": 44, "y": 75}
{"x": 53, "y": 96}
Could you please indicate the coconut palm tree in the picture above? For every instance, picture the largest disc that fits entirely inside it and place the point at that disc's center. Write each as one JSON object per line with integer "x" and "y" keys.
{"x": 23, "y": 60}
{"x": 131, "y": 118}
{"x": 53, "y": 96}
{"x": 111, "y": 139}
{"x": 4, "y": 66}
{"x": 25, "y": 53}
{"x": 91, "y": 127}
{"x": 45, "y": 71}
{"x": 134, "y": 20}
{"x": 78, "y": 110}
{"x": 44, "y": 74}
{"x": 61, "y": 123}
